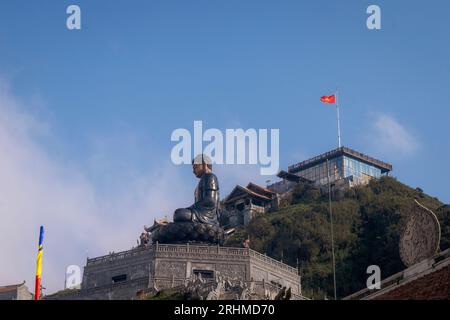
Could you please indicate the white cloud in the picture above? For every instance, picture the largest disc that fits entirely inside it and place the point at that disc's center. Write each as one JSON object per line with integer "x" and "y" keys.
{"x": 388, "y": 136}
{"x": 38, "y": 189}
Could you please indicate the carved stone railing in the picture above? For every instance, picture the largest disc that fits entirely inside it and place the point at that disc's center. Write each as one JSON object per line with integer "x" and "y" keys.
{"x": 115, "y": 256}
{"x": 262, "y": 285}
{"x": 190, "y": 248}
{"x": 272, "y": 262}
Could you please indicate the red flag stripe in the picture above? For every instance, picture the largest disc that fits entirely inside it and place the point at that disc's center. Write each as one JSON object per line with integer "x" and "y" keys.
{"x": 37, "y": 291}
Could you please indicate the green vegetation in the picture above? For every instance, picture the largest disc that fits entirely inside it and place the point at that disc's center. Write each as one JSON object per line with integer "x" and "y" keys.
{"x": 367, "y": 226}
{"x": 166, "y": 295}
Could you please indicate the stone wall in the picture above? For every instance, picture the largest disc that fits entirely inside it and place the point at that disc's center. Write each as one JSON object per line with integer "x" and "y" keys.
{"x": 15, "y": 292}
{"x": 119, "y": 291}
{"x": 239, "y": 263}
{"x": 103, "y": 270}
{"x": 183, "y": 260}
{"x": 160, "y": 266}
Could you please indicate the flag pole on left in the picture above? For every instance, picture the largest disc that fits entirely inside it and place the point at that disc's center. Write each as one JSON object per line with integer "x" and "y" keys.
{"x": 37, "y": 288}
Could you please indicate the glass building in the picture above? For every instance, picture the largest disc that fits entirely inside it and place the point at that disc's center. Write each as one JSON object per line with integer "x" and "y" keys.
{"x": 341, "y": 163}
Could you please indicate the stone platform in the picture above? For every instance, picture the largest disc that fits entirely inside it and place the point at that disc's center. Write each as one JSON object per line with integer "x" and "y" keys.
{"x": 183, "y": 232}
{"x": 161, "y": 266}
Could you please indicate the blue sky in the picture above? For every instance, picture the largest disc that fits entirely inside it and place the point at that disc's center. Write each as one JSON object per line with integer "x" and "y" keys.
{"x": 96, "y": 107}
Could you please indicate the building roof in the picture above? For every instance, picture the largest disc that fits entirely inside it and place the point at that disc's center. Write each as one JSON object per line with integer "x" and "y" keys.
{"x": 240, "y": 192}
{"x": 383, "y": 166}
{"x": 434, "y": 286}
{"x": 426, "y": 280}
{"x": 260, "y": 190}
{"x": 12, "y": 287}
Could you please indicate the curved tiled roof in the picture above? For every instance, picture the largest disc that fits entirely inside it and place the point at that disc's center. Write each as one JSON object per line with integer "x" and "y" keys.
{"x": 11, "y": 287}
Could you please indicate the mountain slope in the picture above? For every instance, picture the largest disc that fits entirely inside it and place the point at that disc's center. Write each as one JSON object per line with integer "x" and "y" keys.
{"x": 367, "y": 226}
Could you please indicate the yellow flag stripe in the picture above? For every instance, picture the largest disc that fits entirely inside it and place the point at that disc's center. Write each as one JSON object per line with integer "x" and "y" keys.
{"x": 39, "y": 264}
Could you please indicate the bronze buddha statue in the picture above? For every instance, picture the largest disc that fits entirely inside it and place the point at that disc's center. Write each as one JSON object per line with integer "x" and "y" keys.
{"x": 206, "y": 206}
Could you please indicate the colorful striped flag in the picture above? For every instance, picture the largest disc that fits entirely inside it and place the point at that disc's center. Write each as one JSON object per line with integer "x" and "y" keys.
{"x": 37, "y": 289}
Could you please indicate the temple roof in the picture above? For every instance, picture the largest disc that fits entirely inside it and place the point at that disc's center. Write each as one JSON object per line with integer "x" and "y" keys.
{"x": 12, "y": 287}
{"x": 429, "y": 279}
{"x": 260, "y": 190}
{"x": 252, "y": 190}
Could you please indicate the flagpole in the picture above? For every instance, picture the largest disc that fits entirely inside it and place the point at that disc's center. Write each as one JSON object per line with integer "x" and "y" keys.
{"x": 338, "y": 120}
{"x": 332, "y": 232}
